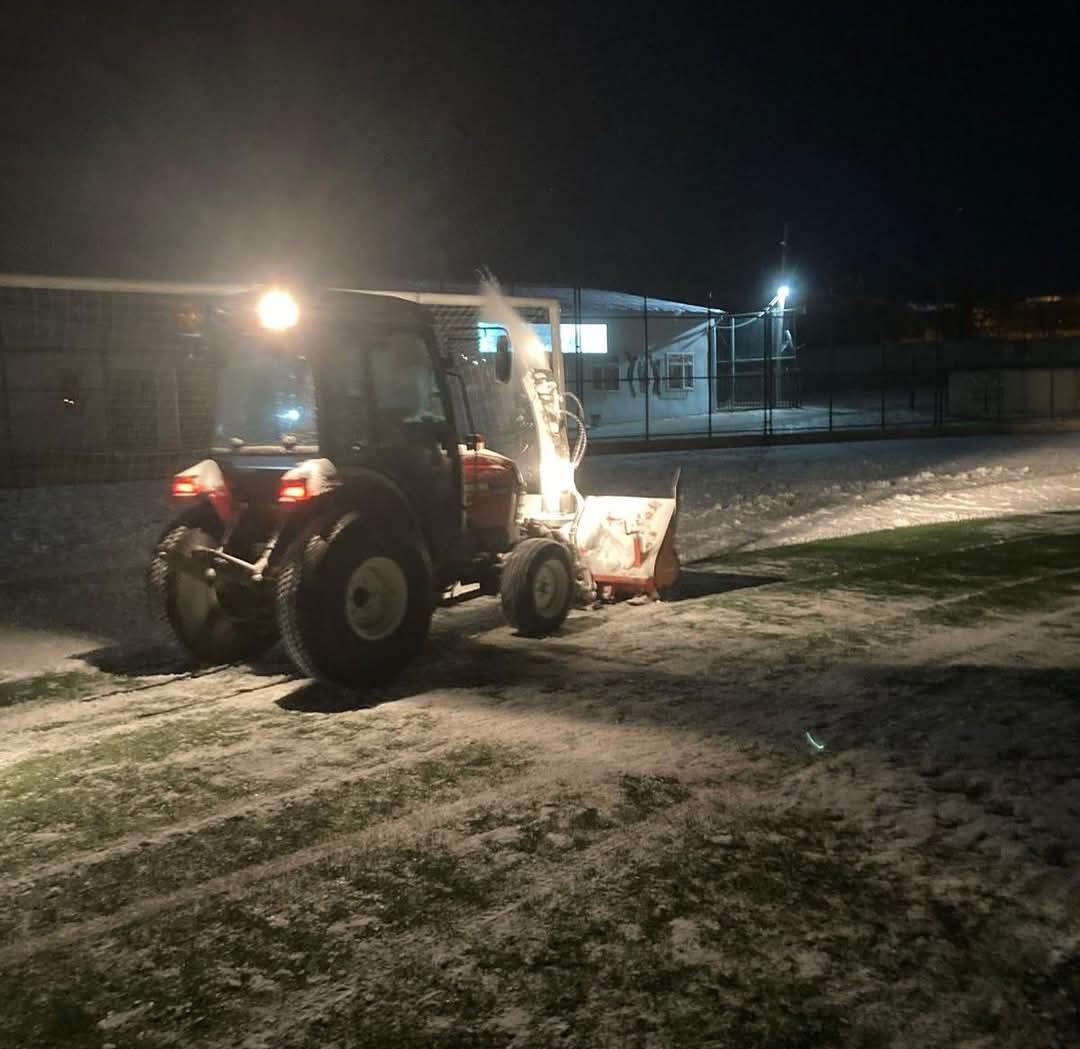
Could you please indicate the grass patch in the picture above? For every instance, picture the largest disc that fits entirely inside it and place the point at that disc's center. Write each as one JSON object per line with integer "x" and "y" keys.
{"x": 943, "y": 559}
{"x": 693, "y": 936}
{"x": 199, "y": 970}
{"x": 94, "y": 793}
{"x": 68, "y": 684}
{"x": 644, "y": 795}
{"x": 236, "y": 843}
{"x": 952, "y": 575}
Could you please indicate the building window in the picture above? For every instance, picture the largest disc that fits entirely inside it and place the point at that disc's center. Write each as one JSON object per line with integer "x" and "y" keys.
{"x": 573, "y": 338}
{"x": 605, "y": 377}
{"x": 584, "y": 338}
{"x": 679, "y": 372}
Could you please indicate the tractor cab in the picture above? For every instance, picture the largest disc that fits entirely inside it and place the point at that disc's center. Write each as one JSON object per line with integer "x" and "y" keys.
{"x": 354, "y": 383}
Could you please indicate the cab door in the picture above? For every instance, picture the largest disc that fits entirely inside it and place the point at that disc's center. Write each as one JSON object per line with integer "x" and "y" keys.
{"x": 413, "y": 436}
{"x": 390, "y": 413}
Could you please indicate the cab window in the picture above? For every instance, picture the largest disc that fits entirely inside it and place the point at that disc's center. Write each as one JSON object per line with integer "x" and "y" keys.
{"x": 407, "y": 397}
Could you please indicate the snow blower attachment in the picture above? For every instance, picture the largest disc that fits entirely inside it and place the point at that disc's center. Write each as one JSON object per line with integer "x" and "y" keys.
{"x": 628, "y": 544}
{"x": 624, "y": 545}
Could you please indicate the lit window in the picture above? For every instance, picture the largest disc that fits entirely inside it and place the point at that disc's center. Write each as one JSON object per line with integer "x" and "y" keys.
{"x": 588, "y": 338}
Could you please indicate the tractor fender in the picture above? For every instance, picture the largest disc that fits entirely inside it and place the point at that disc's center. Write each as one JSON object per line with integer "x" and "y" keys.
{"x": 366, "y": 494}
{"x": 210, "y": 489}
{"x": 318, "y": 476}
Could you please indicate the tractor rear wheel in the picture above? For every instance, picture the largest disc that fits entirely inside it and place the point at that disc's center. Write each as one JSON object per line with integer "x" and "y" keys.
{"x": 354, "y": 605}
{"x": 214, "y": 621}
{"x": 537, "y": 587}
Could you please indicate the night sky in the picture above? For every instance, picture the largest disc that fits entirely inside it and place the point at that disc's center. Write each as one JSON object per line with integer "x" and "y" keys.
{"x": 655, "y": 148}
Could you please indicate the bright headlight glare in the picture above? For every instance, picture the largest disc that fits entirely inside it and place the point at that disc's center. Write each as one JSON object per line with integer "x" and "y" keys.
{"x": 278, "y": 310}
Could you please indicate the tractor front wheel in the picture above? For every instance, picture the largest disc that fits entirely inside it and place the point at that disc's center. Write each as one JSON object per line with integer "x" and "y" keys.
{"x": 537, "y": 587}
{"x": 354, "y": 606}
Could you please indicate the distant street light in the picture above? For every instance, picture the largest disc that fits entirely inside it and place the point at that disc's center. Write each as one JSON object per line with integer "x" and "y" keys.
{"x": 781, "y": 296}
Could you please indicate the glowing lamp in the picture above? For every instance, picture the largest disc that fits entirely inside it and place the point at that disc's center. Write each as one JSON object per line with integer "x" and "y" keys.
{"x": 185, "y": 485}
{"x": 293, "y": 490}
{"x": 278, "y": 310}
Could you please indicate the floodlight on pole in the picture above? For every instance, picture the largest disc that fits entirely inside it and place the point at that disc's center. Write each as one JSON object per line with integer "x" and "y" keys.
{"x": 781, "y": 296}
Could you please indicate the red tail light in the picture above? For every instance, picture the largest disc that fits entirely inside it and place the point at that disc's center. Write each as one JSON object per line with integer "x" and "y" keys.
{"x": 293, "y": 490}
{"x": 185, "y": 484}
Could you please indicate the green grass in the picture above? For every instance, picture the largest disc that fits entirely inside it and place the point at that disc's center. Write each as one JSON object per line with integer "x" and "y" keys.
{"x": 941, "y": 559}
{"x": 234, "y": 844}
{"x": 106, "y": 789}
{"x": 644, "y": 907}
{"x": 908, "y": 579}
{"x": 87, "y": 796}
{"x": 66, "y": 685}
{"x": 597, "y": 956}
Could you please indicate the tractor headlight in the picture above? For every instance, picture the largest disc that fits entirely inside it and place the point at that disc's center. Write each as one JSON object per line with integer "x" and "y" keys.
{"x": 278, "y": 310}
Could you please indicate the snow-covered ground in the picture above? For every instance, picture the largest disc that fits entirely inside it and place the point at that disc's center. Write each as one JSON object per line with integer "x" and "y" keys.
{"x": 731, "y": 498}
{"x": 823, "y": 800}
{"x": 70, "y": 576}
{"x": 849, "y": 411}
{"x": 734, "y": 499}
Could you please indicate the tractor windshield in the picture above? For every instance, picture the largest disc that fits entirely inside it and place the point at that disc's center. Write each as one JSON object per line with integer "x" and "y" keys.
{"x": 266, "y": 400}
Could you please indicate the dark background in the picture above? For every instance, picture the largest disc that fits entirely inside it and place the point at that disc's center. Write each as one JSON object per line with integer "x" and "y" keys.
{"x": 657, "y": 148}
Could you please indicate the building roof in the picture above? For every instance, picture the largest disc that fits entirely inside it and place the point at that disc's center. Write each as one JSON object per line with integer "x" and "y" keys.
{"x": 596, "y": 303}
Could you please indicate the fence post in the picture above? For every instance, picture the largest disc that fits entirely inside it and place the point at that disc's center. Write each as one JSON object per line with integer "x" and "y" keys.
{"x": 176, "y": 418}
{"x": 767, "y": 372}
{"x": 911, "y": 381}
{"x": 731, "y": 350}
{"x": 1053, "y": 414}
{"x": 580, "y": 362}
{"x": 648, "y": 369}
{"x": 832, "y": 353}
{"x": 939, "y": 348}
{"x": 5, "y": 396}
{"x": 883, "y": 377}
{"x": 710, "y": 351}
{"x": 765, "y": 341}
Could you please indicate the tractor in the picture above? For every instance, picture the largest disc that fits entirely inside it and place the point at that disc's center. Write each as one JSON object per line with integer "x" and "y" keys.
{"x": 347, "y": 492}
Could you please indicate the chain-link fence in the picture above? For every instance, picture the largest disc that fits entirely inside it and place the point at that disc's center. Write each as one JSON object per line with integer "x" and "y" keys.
{"x": 658, "y": 371}
{"x": 106, "y": 381}
{"x": 100, "y": 381}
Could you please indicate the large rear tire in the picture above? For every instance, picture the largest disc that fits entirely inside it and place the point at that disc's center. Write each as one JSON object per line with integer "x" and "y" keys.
{"x": 537, "y": 587}
{"x": 354, "y": 605}
{"x": 212, "y": 624}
